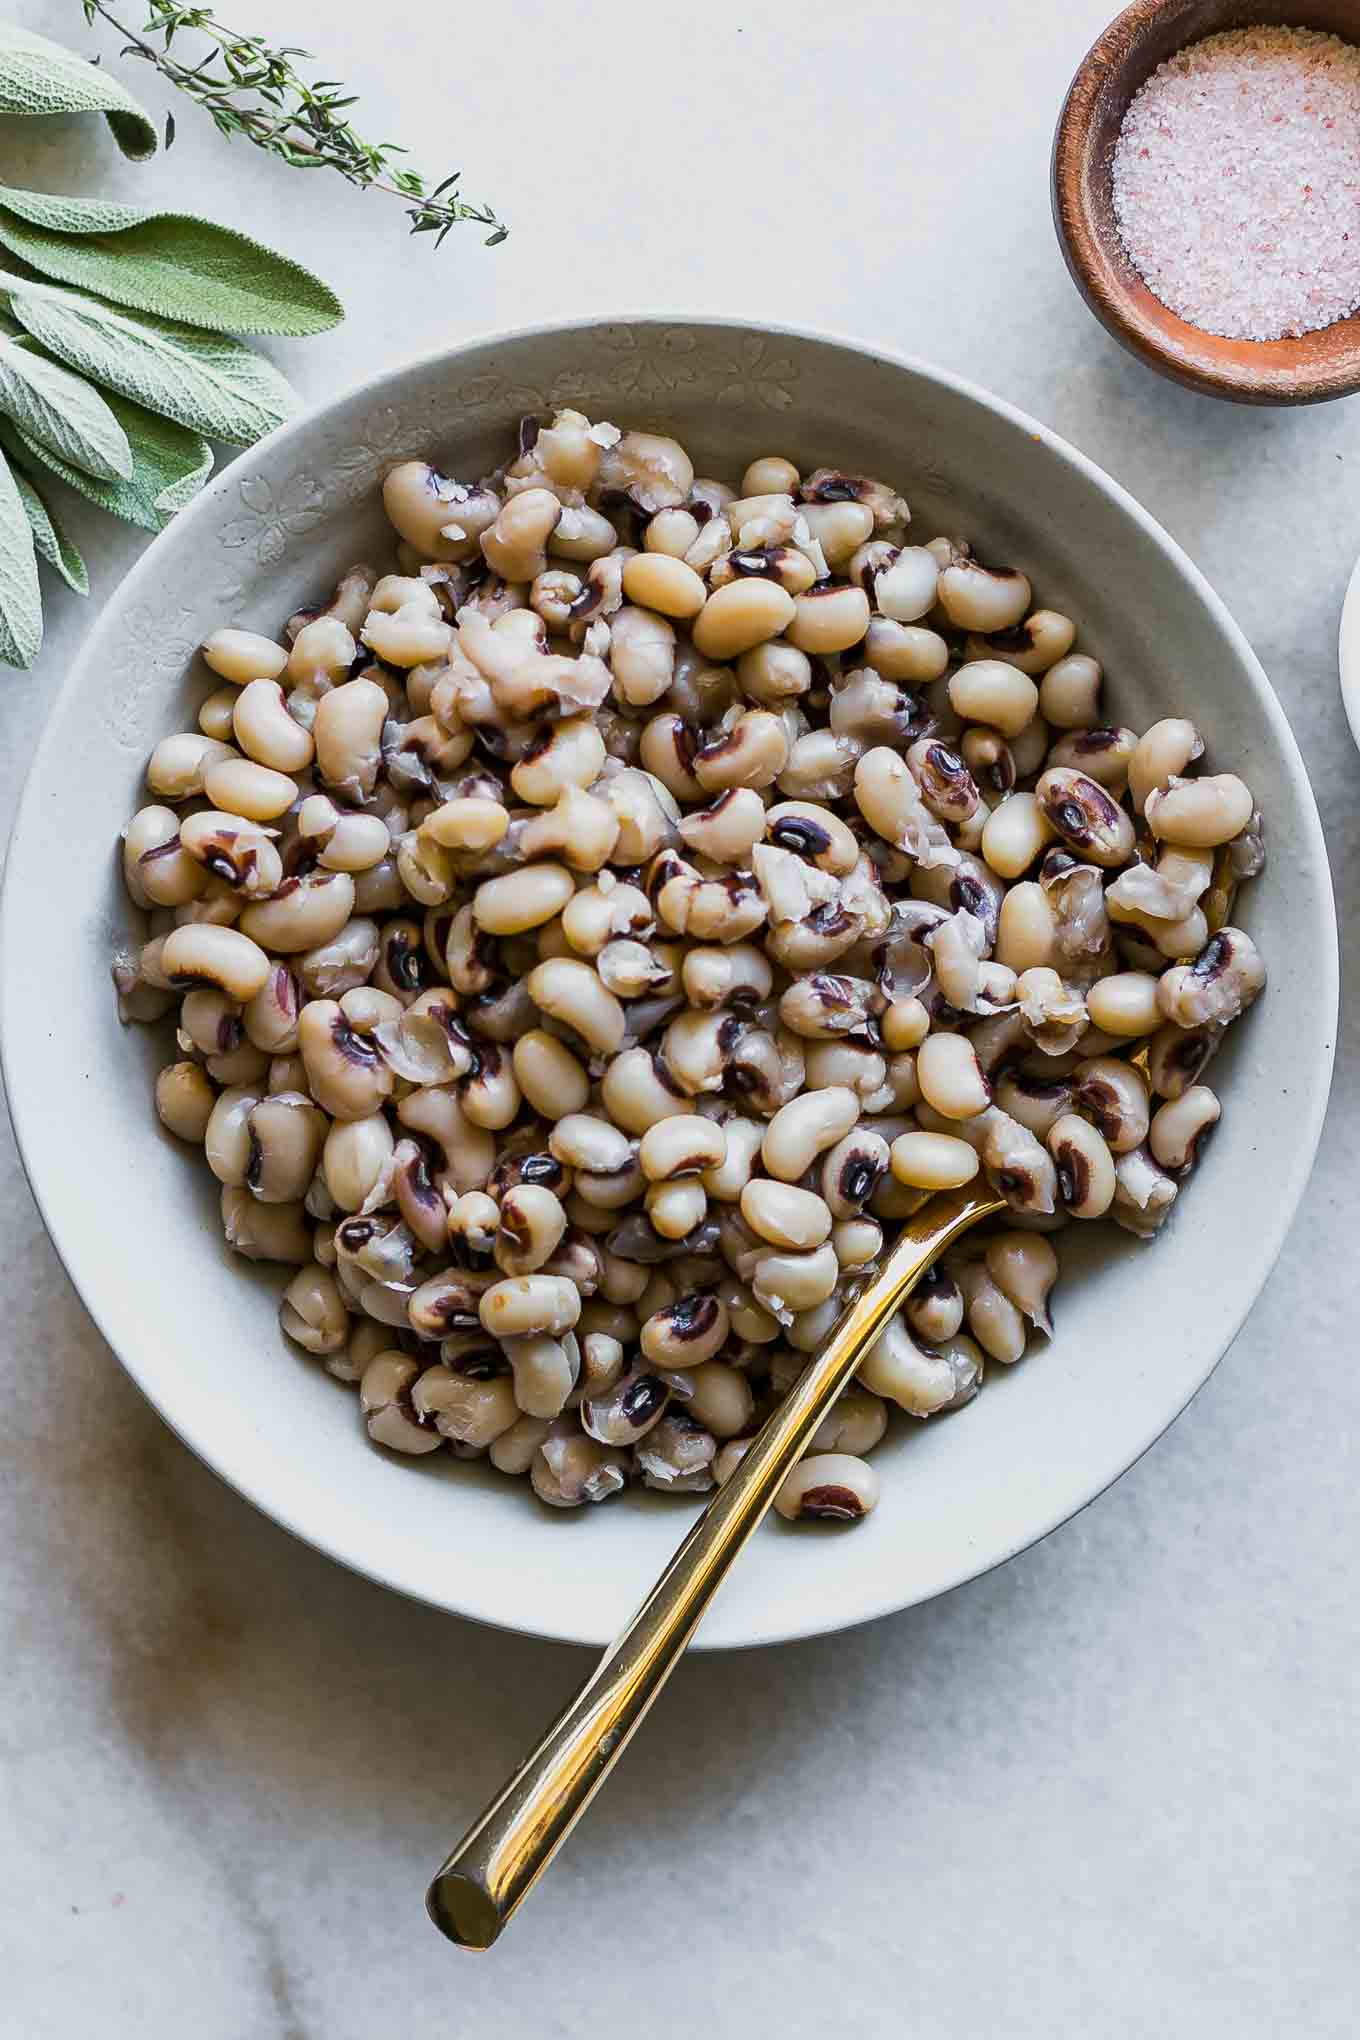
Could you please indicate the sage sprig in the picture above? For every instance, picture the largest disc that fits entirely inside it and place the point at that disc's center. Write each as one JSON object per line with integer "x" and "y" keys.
{"x": 40, "y": 77}
{"x": 119, "y": 355}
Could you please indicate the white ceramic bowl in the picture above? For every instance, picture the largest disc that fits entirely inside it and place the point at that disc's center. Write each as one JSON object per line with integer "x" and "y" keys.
{"x": 135, "y": 1216}
{"x": 1349, "y": 653}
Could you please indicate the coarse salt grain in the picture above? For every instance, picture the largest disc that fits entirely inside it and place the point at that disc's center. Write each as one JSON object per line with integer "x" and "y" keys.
{"x": 1237, "y": 182}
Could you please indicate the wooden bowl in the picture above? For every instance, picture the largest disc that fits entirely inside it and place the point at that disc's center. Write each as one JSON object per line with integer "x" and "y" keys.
{"x": 1303, "y": 371}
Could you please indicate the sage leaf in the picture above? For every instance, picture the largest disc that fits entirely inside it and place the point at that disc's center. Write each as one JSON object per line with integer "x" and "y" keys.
{"x": 169, "y": 466}
{"x": 206, "y": 382}
{"x": 39, "y": 77}
{"x": 56, "y": 548}
{"x": 21, "y": 619}
{"x": 173, "y": 264}
{"x": 63, "y": 412}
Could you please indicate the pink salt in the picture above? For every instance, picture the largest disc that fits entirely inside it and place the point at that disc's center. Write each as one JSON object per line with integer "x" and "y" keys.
{"x": 1237, "y": 182}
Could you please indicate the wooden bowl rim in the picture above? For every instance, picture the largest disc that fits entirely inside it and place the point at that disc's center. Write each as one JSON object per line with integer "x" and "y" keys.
{"x": 1298, "y": 370}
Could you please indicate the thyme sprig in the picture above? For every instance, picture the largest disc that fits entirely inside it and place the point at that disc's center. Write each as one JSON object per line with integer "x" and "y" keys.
{"x": 251, "y": 87}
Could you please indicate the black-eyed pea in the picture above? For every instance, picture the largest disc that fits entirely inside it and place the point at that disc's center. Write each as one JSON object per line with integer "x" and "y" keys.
{"x": 522, "y": 899}
{"x": 242, "y": 787}
{"x": 829, "y": 1487}
{"x": 515, "y": 545}
{"x": 465, "y": 1409}
{"x": 357, "y": 1161}
{"x": 1024, "y": 1268}
{"x": 580, "y": 828}
{"x": 725, "y": 1181}
{"x": 855, "y": 1423}
{"x": 980, "y": 598}
{"x": 544, "y": 1371}
{"x": 1085, "y": 1167}
{"x": 791, "y": 1281}
{"x": 828, "y": 619}
{"x": 675, "y": 1209}
{"x": 1180, "y": 1126}
{"x": 515, "y": 1450}
{"x": 858, "y": 1242}
{"x": 530, "y": 1227}
{"x": 802, "y": 1129}
{"x": 623, "y": 1411}
{"x": 933, "y": 1161}
{"x": 677, "y": 1455}
{"x": 1045, "y": 637}
{"x": 243, "y": 655}
{"x": 302, "y": 914}
{"x": 200, "y": 953}
{"x": 992, "y": 692}
{"x": 385, "y": 1391}
{"x": 569, "y": 753}
{"x": 1038, "y": 1102}
{"x": 1200, "y": 814}
{"x": 526, "y": 1304}
{"x": 904, "y": 1024}
{"x": 238, "y": 852}
{"x": 1026, "y": 935}
{"x": 177, "y": 767}
{"x": 662, "y": 582}
{"x": 267, "y": 733}
{"x": 1163, "y": 753}
{"x": 719, "y": 1398}
{"x": 1085, "y": 816}
{"x": 1014, "y": 834}
{"x": 641, "y": 655}
{"x": 1125, "y": 1004}
{"x": 185, "y": 1101}
{"x": 785, "y": 1215}
{"x": 729, "y": 1457}
{"x": 686, "y": 1332}
{"x": 951, "y": 1077}
{"x": 852, "y": 1171}
{"x": 920, "y": 1380}
{"x": 1069, "y": 693}
{"x": 771, "y": 474}
{"x": 157, "y": 870}
{"x": 312, "y": 1311}
{"x": 264, "y": 1232}
{"x": 570, "y": 1469}
{"x": 1103, "y": 754}
{"x": 582, "y": 534}
{"x": 671, "y": 532}
{"x": 992, "y": 1318}
{"x": 934, "y": 1310}
{"x": 683, "y": 1145}
{"x": 285, "y": 1132}
{"x": 849, "y": 1063}
{"x": 741, "y": 615}
{"x": 908, "y": 654}
{"x": 549, "y": 1076}
{"x": 1114, "y": 1096}
{"x": 774, "y": 673}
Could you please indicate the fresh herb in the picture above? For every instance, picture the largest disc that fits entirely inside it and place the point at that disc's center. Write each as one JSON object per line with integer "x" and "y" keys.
{"x": 250, "y": 87}
{"x": 118, "y": 356}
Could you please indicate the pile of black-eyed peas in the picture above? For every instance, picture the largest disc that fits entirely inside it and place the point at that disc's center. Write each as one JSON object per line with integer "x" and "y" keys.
{"x": 589, "y": 941}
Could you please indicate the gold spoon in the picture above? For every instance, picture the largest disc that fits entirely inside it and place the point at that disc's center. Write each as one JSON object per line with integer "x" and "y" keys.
{"x": 478, "y": 1887}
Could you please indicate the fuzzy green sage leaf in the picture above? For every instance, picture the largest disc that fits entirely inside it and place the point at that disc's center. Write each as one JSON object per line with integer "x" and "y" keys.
{"x": 169, "y": 467}
{"x": 56, "y": 548}
{"x": 173, "y": 264}
{"x": 21, "y": 618}
{"x": 40, "y": 77}
{"x": 204, "y": 381}
{"x": 62, "y": 412}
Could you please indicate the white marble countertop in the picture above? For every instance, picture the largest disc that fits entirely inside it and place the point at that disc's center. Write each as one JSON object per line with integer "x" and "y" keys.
{"x": 1108, "y": 1790}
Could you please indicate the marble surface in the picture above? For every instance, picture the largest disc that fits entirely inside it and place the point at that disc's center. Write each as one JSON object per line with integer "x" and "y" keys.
{"x": 1109, "y": 1789}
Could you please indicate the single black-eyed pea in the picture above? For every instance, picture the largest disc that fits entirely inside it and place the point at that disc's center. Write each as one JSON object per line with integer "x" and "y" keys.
{"x": 302, "y": 914}
{"x": 1199, "y": 813}
{"x": 199, "y": 953}
{"x": 1162, "y": 753}
{"x": 784, "y": 1214}
{"x": 834, "y": 1487}
{"x": 549, "y": 1076}
{"x": 1045, "y": 637}
{"x": 828, "y": 619}
{"x": 675, "y": 1209}
{"x": 1180, "y": 1126}
{"x": 934, "y": 1310}
{"x": 980, "y": 598}
{"x": 264, "y": 1232}
{"x": 267, "y": 733}
{"x": 993, "y": 1319}
{"x": 719, "y": 1398}
{"x": 185, "y": 1100}
{"x": 684, "y": 1145}
{"x": 1085, "y": 1166}
{"x": 177, "y": 767}
{"x": 243, "y": 655}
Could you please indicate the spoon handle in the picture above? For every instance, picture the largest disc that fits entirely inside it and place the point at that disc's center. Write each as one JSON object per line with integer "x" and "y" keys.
{"x": 479, "y": 1886}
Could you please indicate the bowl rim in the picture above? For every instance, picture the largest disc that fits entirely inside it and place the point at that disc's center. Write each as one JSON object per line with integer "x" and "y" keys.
{"x": 1113, "y": 291}
{"x": 1348, "y": 652}
{"x": 859, "y": 1606}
